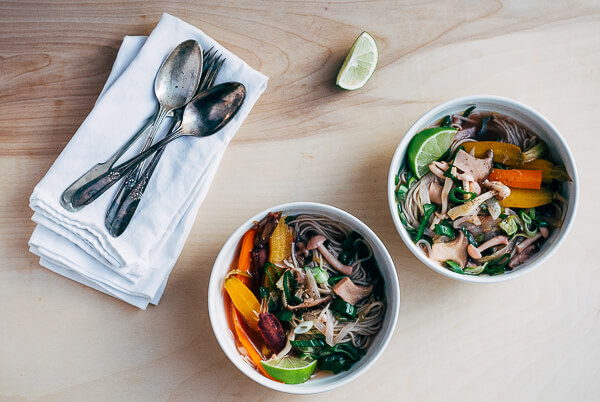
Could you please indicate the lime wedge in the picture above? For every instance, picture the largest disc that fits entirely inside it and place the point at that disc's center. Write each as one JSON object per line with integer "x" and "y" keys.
{"x": 359, "y": 64}
{"x": 289, "y": 369}
{"x": 428, "y": 146}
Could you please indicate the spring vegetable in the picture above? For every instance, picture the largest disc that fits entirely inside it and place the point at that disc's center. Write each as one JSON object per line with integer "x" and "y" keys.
{"x": 335, "y": 279}
{"x": 320, "y": 274}
{"x": 303, "y": 328}
{"x": 527, "y": 218}
{"x": 280, "y": 243}
{"x": 245, "y": 259}
{"x": 460, "y": 199}
{"x": 242, "y": 336}
{"x": 429, "y": 209}
{"x": 288, "y": 285}
{"x": 401, "y": 192}
{"x": 484, "y": 122}
{"x": 549, "y": 171}
{"x": 272, "y": 332}
{"x": 505, "y": 153}
{"x": 510, "y": 225}
{"x": 527, "y": 198}
{"x": 454, "y": 266}
{"x": 517, "y": 178}
{"x": 444, "y": 230}
{"x": 244, "y": 301}
{"x": 468, "y": 111}
{"x": 343, "y": 310}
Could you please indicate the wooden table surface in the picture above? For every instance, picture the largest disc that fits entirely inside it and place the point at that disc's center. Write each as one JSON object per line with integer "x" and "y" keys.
{"x": 534, "y": 338}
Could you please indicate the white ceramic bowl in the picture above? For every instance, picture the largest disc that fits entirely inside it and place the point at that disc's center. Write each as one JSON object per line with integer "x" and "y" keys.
{"x": 224, "y": 334}
{"x": 538, "y": 124}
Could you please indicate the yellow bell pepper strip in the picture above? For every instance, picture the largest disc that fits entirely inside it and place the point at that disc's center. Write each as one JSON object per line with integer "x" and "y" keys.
{"x": 505, "y": 153}
{"x": 517, "y": 178}
{"x": 245, "y": 258}
{"x": 244, "y": 301}
{"x": 280, "y": 243}
{"x": 549, "y": 171}
{"x": 527, "y": 198}
{"x": 246, "y": 343}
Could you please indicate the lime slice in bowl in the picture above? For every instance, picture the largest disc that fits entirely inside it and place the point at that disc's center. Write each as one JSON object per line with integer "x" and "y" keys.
{"x": 428, "y": 146}
{"x": 289, "y": 369}
{"x": 360, "y": 63}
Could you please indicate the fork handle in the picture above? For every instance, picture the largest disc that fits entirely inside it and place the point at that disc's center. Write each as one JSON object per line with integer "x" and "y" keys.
{"x": 96, "y": 187}
{"x": 121, "y": 211}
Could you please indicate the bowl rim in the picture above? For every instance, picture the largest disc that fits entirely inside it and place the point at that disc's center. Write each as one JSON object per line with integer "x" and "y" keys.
{"x": 426, "y": 119}
{"x": 214, "y": 290}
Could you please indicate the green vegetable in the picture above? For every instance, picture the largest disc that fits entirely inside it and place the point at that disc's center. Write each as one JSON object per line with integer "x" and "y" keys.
{"x": 289, "y": 219}
{"x": 265, "y": 294}
{"x": 284, "y": 315}
{"x": 476, "y": 270}
{"x": 343, "y": 310}
{"x": 289, "y": 288}
{"x": 484, "y": 123}
{"x": 445, "y": 121}
{"x": 410, "y": 179}
{"x": 335, "y": 279}
{"x": 397, "y": 180}
{"x": 308, "y": 343}
{"x": 528, "y": 218}
{"x": 444, "y": 230}
{"x": 470, "y": 237}
{"x": 320, "y": 274}
{"x": 454, "y": 198}
{"x": 497, "y": 267}
{"x": 503, "y": 216}
{"x": 454, "y": 266}
{"x": 468, "y": 111}
{"x": 510, "y": 225}
{"x": 429, "y": 209}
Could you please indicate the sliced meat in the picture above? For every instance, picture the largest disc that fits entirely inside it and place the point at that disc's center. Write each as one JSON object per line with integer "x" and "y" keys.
{"x": 478, "y": 168}
{"x": 351, "y": 293}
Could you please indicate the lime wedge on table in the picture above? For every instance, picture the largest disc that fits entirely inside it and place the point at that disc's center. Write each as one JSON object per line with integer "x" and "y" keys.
{"x": 428, "y": 146}
{"x": 289, "y": 369}
{"x": 359, "y": 64}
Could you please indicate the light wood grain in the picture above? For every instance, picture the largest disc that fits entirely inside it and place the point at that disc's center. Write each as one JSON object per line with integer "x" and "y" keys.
{"x": 535, "y": 338}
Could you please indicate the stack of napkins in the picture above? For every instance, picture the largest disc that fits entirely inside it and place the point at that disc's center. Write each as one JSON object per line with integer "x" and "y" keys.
{"x": 134, "y": 266}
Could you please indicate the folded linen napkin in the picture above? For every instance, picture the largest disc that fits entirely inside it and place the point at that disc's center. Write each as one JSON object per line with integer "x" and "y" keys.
{"x": 135, "y": 266}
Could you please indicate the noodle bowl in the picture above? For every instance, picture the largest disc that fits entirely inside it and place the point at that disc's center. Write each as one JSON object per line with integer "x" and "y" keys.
{"x": 375, "y": 316}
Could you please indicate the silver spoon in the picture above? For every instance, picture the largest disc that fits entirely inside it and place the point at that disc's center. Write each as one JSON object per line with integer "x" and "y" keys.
{"x": 122, "y": 208}
{"x": 206, "y": 114}
{"x": 174, "y": 86}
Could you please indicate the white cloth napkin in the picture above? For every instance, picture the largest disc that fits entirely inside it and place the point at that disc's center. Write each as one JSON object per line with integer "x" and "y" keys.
{"x": 134, "y": 266}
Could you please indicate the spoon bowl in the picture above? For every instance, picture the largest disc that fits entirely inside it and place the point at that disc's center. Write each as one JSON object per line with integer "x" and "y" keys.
{"x": 210, "y": 110}
{"x": 178, "y": 77}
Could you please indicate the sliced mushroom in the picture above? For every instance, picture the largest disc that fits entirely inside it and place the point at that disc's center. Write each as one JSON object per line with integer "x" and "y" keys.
{"x": 438, "y": 169}
{"x": 545, "y": 232}
{"x": 351, "y": 293}
{"x": 528, "y": 242}
{"x": 475, "y": 252}
{"x": 316, "y": 242}
{"x": 469, "y": 207}
{"x": 309, "y": 303}
{"x": 501, "y": 191}
{"x": 435, "y": 193}
{"x": 455, "y": 250}
{"x": 522, "y": 256}
{"x": 478, "y": 168}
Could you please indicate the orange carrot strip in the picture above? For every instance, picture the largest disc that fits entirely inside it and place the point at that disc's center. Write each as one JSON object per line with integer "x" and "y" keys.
{"x": 518, "y": 178}
{"x": 253, "y": 352}
{"x": 246, "y": 255}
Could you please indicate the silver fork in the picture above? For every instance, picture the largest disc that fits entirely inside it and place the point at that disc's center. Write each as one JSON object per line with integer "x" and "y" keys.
{"x": 125, "y": 203}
